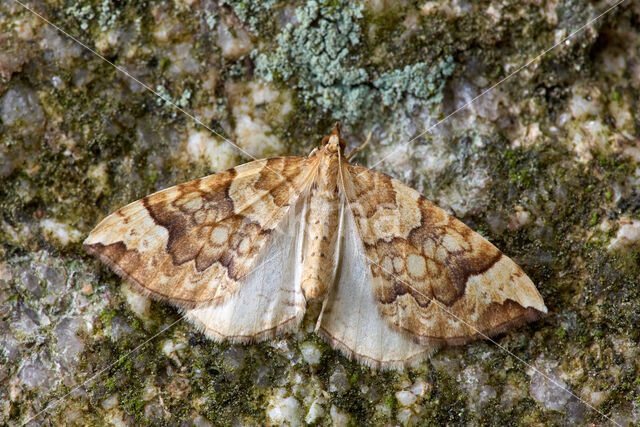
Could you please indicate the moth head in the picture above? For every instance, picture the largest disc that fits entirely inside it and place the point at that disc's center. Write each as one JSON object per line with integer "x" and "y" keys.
{"x": 333, "y": 143}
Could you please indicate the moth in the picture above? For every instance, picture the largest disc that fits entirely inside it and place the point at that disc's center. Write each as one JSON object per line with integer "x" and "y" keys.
{"x": 244, "y": 251}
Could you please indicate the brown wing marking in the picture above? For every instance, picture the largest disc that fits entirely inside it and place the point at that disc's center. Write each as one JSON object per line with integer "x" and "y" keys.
{"x": 434, "y": 278}
{"x": 193, "y": 243}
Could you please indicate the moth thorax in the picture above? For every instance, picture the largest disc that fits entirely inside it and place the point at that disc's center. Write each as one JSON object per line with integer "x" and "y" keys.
{"x": 334, "y": 144}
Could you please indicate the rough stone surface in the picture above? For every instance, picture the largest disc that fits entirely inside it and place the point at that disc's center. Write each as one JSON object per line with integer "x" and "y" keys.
{"x": 546, "y": 165}
{"x": 20, "y": 107}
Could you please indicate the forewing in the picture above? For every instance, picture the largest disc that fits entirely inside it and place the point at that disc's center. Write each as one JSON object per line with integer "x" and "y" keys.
{"x": 351, "y": 321}
{"x": 433, "y": 277}
{"x": 193, "y": 244}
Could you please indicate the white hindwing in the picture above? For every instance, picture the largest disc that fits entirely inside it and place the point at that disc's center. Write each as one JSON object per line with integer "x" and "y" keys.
{"x": 351, "y": 321}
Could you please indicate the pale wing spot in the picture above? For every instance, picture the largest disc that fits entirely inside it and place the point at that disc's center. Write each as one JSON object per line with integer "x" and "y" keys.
{"x": 213, "y": 215}
{"x": 387, "y": 265}
{"x": 441, "y": 254}
{"x": 398, "y": 264}
{"x": 429, "y": 248}
{"x": 416, "y": 266}
{"x": 241, "y": 189}
{"x": 200, "y": 216}
{"x": 244, "y": 246}
{"x": 451, "y": 243}
{"x": 263, "y": 204}
{"x": 219, "y": 235}
{"x": 193, "y": 204}
{"x": 461, "y": 241}
{"x": 384, "y": 226}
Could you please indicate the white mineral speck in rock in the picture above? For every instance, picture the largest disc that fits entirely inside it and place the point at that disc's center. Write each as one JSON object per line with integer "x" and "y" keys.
{"x": 149, "y": 392}
{"x": 474, "y": 381}
{"x": 315, "y": 412}
{"x": 429, "y": 8}
{"x": 110, "y": 402}
{"x": 201, "y": 421}
{"x": 494, "y": 11}
{"x": 34, "y": 375}
{"x": 510, "y": 396}
{"x": 172, "y": 348}
{"x": 339, "y": 418}
{"x": 119, "y": 328}
{"x": 138, "y": 303}
{"x": 115, "y": 417}
{"x": 628, "y": 235}
{"x": 584, "y": 104}
{"x": 550, "y": 390}
{"x": 24, "y": 322}
{"x": 584, "y": 136}
{"x": 338, "y": 382}
{"x": 15, "y": 391}
{"x": 24, "y": 28}
{"x": 256, "y": 108}
{"x": 5, "y": 272}
{"x": 283, "y": 348}
{"x": 254, "y": 134}
{"x": 99, "y": 176}
{"x": 68, "y": 343}
{"x": 596, "y": 398}
{"x": 153, "y": 411}
{"x": 64, "y": 50}
{"x": 182, "y": 61}
{"x": 108, "y": 39}
{"x": 234, "y": 358}
{"x": 406, "y": 398}
{"x": 621, "y": 112}
{"x": 233, "y": 45}
{"x": 382, "y": 409}
{"x": 11, "y": 348}
{"x": 527, "y": 136}
{"x": 60, "y": 232}
{"x": 284, "y": 410}
{"x": 519, "y": 218}
{"x": 20, "y": 106}
{"x": 310, "y": 352}
{"x": 420, "y": 388}
{"x": 218, "y": 154}
{"x": 406, "y": 416}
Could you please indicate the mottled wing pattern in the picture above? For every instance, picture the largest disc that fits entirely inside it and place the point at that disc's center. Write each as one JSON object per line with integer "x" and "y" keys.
{"x": 193, "y": 244}
{"x": 270, "y": 300}
{"x": 433, "y": 277}
{"x": 351, "y": 321}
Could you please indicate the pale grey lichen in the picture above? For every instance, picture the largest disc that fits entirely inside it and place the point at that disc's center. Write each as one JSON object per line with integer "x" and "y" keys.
{"x": 321, "y": 56}
{"x": 107, "y": 13}
{"x": 420, "y": 80}
{"x": 250, "y": 11}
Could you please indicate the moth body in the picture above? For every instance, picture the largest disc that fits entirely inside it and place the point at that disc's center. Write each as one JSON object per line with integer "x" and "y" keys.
{"x": 322, "y": 223}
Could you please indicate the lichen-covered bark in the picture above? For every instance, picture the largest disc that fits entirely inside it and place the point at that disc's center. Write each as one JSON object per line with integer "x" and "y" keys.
{"x": 546, "y": 166}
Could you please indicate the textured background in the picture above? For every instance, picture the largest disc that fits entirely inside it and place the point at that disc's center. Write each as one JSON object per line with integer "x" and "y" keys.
{"x": 546, "y": 166}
